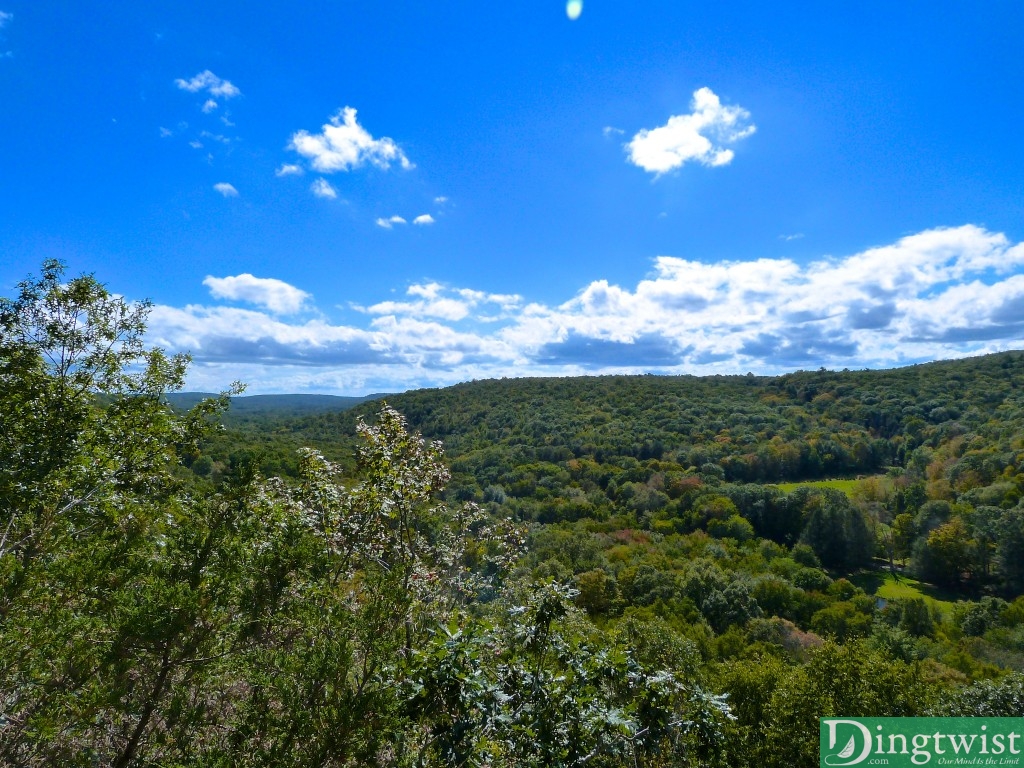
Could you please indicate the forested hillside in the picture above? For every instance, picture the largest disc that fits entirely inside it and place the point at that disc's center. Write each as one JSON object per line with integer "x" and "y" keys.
{"x": 713, "y": 505}
{"x": 758, "y": 429}
{"x": 940, "y": 448}
{"x": 642, "y": 571}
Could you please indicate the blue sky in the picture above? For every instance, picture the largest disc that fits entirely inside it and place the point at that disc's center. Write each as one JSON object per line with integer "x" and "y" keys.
{"x": 352, "y": 197}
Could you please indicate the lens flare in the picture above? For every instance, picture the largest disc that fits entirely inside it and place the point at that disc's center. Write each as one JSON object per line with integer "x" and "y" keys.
{"x": 573, "y": 9}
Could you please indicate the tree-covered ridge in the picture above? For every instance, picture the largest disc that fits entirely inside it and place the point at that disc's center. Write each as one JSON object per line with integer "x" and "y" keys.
{"x": 941, "y": 443}
{"x": 765, "y": 429}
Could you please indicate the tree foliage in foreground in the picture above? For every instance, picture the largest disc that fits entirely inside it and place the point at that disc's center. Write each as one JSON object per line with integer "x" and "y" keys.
{"x": 339, "y": 620}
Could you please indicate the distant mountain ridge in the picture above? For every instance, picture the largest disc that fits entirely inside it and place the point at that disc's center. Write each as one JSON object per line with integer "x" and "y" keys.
{"x": 277, "y": 405}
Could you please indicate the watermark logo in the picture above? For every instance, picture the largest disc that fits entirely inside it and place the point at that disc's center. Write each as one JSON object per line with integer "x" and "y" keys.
{"x": 910, "y": 742}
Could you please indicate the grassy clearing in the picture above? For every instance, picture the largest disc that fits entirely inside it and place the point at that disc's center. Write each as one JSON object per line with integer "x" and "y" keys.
{"x": 840, "y": 485}
{"x": 895, "y": 587}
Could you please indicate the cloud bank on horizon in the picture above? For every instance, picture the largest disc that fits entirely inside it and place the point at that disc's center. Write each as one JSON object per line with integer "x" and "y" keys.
{"x": 940, "y": 293}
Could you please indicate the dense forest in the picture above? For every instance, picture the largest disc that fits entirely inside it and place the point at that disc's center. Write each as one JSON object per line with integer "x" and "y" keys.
{"x": 933, "y": 455}
{"x": 602, "y": 571}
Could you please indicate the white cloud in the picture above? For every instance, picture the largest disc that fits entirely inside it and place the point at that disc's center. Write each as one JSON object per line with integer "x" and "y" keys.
{"x": 224, "y": 188}
{"x": 343, "y": 144}
{"x": 390, "y": 222}
{"x": 209, "y": 106}
{"x": 506, "y": 301}
{"x": 701, "y": 136}
{"x": 209, "y": 82}
{"x": 425, "y": 290}
{"x": 440, "y": 199}
{"x": 879, "y": 307}
{"x": 936, "y": 294}
{"x": 422, "y": 219}
{"x": 433, "y": 300}
{"x": 289, "y": 170}
{"x": 165, "y": 132}
{"x": 275, "y": 295}
{"x": 446, "y": 309}
{"x": 322, "y": 188}
{"x": 610, "y": 131}
{"x": 215, "y": 137}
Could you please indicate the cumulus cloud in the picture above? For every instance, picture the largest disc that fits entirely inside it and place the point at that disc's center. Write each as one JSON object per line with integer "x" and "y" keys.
{"x": 440, "y": 199}
{"x": 209, "y": 106}
{"x": 288, "y": 170}
{"x": 275, "y": 295}
{"x": 390, "y": 222}
{"x": 322, "y": 188}
{"x": 223, "y": 187}
{"x": 343, "y": 144}
{"x": 702, "y": 136}
{"x": 425, "y": 218}
{"x": 885, "y": 305}
{"x": 433, "y": 300}
{"x": 210, "y": 83}
{"x": 936, "y": 294}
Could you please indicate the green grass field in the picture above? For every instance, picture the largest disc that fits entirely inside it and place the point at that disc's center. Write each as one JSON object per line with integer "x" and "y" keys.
{"x": 840, "y": 485}
{"x": 889, "y": 587}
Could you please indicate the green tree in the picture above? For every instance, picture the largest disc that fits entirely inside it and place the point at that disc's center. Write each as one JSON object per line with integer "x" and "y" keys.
{"x": 541, "y": 688}
{"x": 778, "y": 723}
{"x": 836, "y": 531}
{"x": 96, "y": 608}
{"x": 842, "y": 621}
{"x": 945, "y": 556}
{"x": 903, "y": 534}
{"x": 1009, "y": 552}
{"x": 986, "y": 698}
{"x": 81, "y": 417}
{"x": 144, "y": 622}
